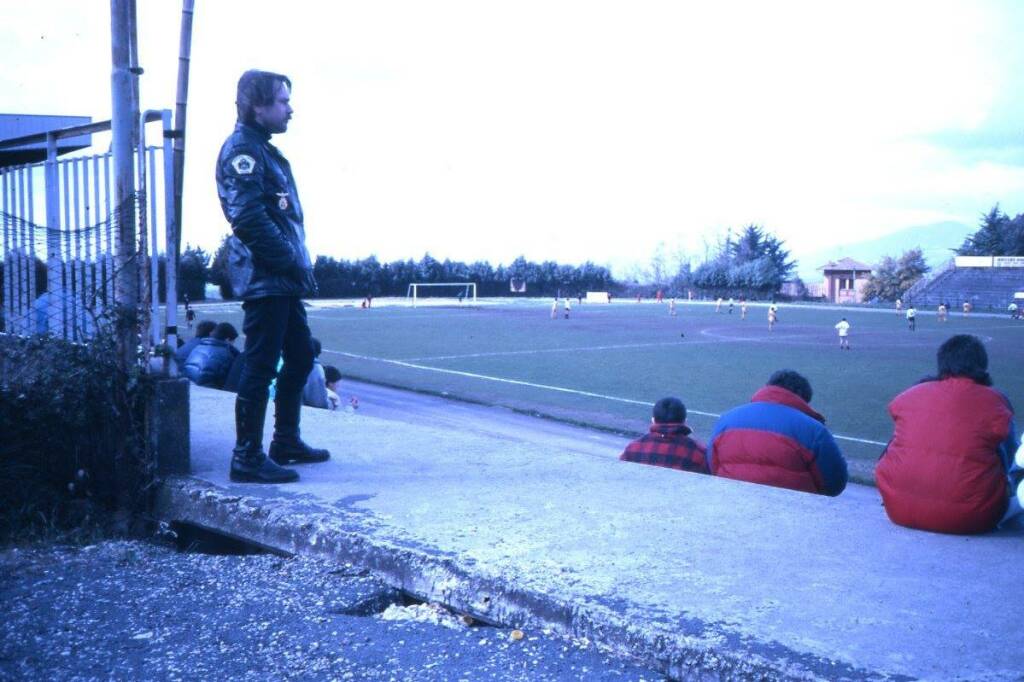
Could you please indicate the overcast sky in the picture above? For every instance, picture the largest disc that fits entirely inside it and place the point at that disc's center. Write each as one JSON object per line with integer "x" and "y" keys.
{"x": 576, "y": 130}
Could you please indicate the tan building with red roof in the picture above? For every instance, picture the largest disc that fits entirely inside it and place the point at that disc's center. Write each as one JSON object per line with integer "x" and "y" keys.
{"x": 844, "y": 280}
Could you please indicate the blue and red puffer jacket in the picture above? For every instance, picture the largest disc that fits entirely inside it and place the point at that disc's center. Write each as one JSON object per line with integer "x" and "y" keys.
{"x": 777, "y": 439}
{"x": 944, "y": 468}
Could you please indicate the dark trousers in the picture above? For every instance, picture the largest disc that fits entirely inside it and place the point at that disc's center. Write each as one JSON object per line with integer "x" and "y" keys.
{"x": 275, "y": 327}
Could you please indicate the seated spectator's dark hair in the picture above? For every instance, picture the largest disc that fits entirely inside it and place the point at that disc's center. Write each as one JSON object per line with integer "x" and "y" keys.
{"x": 205, "y": 328}
{"x": 331, "y": 374}
{"x": 317, "y": 347}
{"x": 964, "y": 355}
{"x": 669, "y": 411}
{"x": 225, "y": 331}
{"x": 794, "y": 382}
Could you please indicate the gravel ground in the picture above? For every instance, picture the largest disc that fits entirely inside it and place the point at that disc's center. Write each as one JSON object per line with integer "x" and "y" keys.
{"x": 144, "y": 611}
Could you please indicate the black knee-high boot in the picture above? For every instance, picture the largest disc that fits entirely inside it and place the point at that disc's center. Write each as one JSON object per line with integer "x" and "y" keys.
{"x": 287, "y": 447}
{"x": 249, "y": 464}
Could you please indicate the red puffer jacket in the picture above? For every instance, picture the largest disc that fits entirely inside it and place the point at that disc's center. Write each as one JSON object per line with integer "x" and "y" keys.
{"x": 942, "y": 471}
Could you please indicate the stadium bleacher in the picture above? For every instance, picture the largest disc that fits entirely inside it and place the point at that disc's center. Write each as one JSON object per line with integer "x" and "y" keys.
{"x": 988, "y": 289}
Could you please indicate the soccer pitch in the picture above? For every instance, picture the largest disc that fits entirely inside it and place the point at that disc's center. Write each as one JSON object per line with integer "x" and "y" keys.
{"x": 607, "y": 364}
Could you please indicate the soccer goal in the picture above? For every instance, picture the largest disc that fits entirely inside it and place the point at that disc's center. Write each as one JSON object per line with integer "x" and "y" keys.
{"x": 448, "y": 291}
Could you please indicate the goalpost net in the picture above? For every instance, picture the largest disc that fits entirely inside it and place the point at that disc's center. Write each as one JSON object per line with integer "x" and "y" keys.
{"x": 448, "y": 290}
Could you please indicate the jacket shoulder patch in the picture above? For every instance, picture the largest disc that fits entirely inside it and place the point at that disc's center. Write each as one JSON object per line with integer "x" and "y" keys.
{"x": 243, "y": 164}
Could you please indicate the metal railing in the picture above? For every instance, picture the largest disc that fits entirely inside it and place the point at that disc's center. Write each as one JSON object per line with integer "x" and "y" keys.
{"x": 66, "y": 294}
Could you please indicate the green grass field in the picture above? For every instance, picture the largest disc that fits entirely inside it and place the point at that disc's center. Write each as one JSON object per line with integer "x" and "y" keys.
{"x": 607, "y": 364}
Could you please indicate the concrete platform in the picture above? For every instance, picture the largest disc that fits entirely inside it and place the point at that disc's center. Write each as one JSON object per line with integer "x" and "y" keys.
{"x": 535, "y": 524}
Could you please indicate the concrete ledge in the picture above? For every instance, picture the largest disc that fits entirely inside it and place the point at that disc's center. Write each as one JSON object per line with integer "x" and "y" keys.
{"x": 702, "y": 578}
{"x": 691, "y": 649}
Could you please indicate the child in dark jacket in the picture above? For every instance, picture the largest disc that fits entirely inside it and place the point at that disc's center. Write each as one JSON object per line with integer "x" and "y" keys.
{"x": 210, "y": 361}
{"x": 668, "y": 444}
{"x": 203, "y": 331}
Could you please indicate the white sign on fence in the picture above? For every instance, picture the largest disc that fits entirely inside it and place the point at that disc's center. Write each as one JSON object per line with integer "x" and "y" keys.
{"x": 989, "y": 261}
{"x": 973, "y": 261}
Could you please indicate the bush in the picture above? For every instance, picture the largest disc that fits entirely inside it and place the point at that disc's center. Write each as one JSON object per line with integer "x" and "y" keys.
{"x": 72, "y": 425}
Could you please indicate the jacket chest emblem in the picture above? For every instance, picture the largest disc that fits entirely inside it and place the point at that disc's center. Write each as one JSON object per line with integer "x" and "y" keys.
{"x": 282, "y": 200}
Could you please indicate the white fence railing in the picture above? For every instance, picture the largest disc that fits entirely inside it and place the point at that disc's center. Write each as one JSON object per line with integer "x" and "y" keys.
{"x": 60, "y": 240}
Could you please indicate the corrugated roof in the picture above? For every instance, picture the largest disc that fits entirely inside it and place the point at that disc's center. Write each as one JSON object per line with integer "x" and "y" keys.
{"x": 19, "y": 125}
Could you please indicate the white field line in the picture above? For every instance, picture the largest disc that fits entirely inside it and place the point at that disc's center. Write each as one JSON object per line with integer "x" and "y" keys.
{"x": 560, "y": 389}
{"x": 538, "y": 351}
{"x": 390, "y": 318}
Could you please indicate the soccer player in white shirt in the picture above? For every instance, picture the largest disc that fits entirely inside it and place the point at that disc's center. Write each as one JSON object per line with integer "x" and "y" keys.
{"x": 844, "y": 334}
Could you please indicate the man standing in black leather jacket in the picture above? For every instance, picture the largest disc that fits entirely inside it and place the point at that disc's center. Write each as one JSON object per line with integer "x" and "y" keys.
{"x": 270, "y": 270}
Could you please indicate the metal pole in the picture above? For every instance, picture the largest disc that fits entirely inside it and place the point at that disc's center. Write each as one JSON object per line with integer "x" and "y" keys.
{"x": 31, "y": 251}
{"x": 18, "y": 210}
{"x": 10, "y": 208}
{"x": 8, "y": 250}
{"x": 145, "y": 295}
{"x": 135, "y": 69}
{"x": 170, "y": 248}
{"x": 66, "y": 263}
{"x": 123, "y": 122}
{"x": 154, "y": 254}
{"x": 180, "y": 110}
{"x": 97, "y": 221}
{"x": 77, "y": 270}
{"x": 26, "y": 237}
{"x": 108, "y": 256}
{"x": 87, "y": 211}
{"x": 52, "y": 230}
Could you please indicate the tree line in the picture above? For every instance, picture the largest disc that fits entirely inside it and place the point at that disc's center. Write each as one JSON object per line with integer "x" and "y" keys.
{"x": 752, "y": 263}
{"x": 368, "y": 276}
{"x": 342, "y": 278}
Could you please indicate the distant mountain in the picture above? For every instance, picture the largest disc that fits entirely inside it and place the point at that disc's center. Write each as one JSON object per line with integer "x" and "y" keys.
{"x": 935, "y": 239}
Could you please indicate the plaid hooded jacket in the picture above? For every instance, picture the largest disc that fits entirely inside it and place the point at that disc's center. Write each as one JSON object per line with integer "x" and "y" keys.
{"x": 668, "y": 445}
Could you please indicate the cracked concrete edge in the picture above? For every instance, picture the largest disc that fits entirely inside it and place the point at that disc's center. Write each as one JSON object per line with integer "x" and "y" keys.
{"x": 316, "y": 530}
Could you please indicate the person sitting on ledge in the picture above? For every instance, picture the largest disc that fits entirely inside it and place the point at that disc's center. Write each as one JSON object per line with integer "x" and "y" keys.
{"x": 949, "y": 465}
{"x": 203, "y": 330}
{"x": 668, "y": 444}
{"x": 777, "y": 439}
{"x": 314, "y": 393}
{"x": 209, "y": 362}
{"x": 332, "y": 378}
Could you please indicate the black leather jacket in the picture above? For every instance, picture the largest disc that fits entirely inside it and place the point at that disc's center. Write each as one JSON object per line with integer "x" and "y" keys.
{"x": 267, "y": 252}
